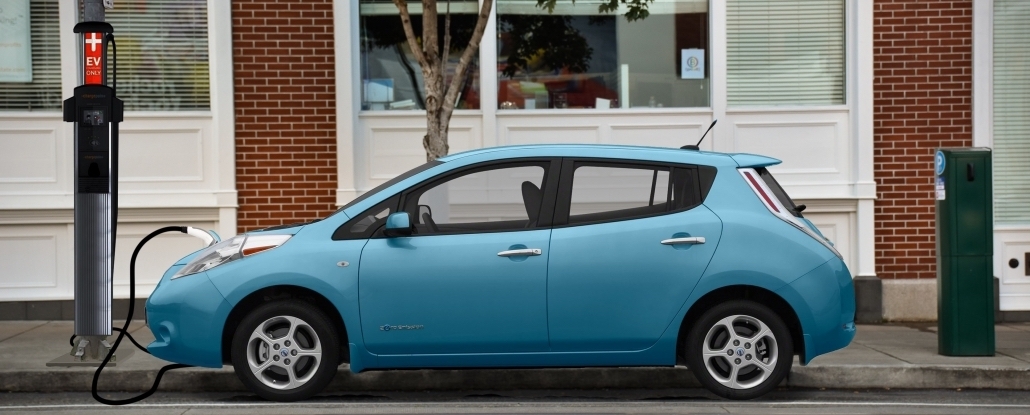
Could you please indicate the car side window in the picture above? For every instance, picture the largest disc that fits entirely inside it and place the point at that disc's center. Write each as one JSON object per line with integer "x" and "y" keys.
{"x": 490, "y": 199}
{"x": 365, "y": 224}
{"x": 604, "y": 192}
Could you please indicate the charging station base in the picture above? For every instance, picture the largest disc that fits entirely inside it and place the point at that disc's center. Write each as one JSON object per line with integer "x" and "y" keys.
{"x": 69, "y": 360}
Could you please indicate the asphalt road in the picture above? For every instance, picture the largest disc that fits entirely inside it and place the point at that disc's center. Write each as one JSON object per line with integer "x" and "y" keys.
{"x": 673, "y": 401}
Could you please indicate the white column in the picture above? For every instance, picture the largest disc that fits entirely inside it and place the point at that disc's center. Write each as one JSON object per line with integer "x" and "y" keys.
{"x": 861, "y": 99}
{"x": 983, "y": 73}
{"x": 348, "y": 93}
{"x": 721, "y": 137}
{"x": 223, "y": 114}
{"x": 488, "y": 79}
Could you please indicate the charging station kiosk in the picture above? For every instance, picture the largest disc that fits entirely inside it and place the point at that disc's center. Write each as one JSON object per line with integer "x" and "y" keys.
{"x": 95, "y": 111}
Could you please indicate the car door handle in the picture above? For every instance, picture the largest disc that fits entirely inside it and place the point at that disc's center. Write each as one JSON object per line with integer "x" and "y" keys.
{"x": 520, "y": 252}
{"x": 690, "y": 240}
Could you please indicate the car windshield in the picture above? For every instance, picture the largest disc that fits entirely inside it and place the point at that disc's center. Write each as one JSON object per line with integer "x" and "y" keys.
{"x": 389, "y": 183}
{"x": 779, "y": 192}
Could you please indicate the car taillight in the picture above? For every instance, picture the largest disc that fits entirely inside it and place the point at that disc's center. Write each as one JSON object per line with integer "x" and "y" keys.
{"x": 780, "y": 211}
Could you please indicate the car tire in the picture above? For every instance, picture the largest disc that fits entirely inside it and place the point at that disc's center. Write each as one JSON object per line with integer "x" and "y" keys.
{"x": 760, "y": 343}
{"x": 285, "y": 351}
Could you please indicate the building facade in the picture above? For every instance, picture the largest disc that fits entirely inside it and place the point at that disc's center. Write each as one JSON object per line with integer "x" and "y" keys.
{"x": 323, "y": 101}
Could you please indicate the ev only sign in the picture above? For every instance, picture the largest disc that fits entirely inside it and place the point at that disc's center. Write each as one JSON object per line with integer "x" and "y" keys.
{"x": 93, "y": 52}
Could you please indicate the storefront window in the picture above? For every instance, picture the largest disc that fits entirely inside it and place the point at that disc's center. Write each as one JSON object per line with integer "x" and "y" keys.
{"x": 391, "y": 77}
{"x": 785, "y": 52}
{"x": 162, "y": 54}
{"x": 30, "y": 56}
{"x": 577, "y": 57}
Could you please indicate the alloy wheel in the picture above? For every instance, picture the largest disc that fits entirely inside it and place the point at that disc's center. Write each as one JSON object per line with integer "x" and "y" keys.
{"x": 284, "y": 352}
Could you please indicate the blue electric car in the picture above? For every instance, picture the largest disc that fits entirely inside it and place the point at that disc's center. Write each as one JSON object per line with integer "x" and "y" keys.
{"x": 525, "y": 256}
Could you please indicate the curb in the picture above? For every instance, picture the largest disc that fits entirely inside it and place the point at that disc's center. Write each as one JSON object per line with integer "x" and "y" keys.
{"x": 224, "y": 380}
{"x": 910, "y": 377}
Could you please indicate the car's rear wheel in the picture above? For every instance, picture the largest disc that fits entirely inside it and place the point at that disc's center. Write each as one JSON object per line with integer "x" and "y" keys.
{"x": 285, "y": 351}
{"x": 739, "y": 350}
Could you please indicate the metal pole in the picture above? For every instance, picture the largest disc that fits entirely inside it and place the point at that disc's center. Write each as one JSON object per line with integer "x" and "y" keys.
{"x": 93, "y": 292}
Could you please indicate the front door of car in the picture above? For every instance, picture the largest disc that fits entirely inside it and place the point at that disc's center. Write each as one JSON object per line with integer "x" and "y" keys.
{"x": 630, "y": 243}
{"x": 473, "y": 276}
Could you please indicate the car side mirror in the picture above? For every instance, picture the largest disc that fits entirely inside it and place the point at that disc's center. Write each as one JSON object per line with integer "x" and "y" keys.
{"x": 398, "y": 224}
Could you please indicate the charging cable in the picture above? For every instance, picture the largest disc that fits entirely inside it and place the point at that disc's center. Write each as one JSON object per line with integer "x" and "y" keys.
{"x": 124, "y": 331}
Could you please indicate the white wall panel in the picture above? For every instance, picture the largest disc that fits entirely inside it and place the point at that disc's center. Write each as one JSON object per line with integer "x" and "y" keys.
{"x": 179, "y": 155}
{"x": 394, "y": 150}
{"x": 657, "y": 135}
{"x": 34, "y": 260}
{"x": 392, "y": 144}
{"x": 837, "y": 227}
{"x": 28, "y": 155}
{"x": 806, "y": 148}
{"x": 816, "y": 149}
{"x": 36, "y": 250}
{"x": 157, "y": 255}
{"x": 1013, "y": 283}
{"x": 35, "y": 158}
{"x": 529, "y": 134}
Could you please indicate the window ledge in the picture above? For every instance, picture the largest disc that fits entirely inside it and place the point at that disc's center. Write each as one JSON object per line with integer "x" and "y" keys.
{"x": 768, "y": 109}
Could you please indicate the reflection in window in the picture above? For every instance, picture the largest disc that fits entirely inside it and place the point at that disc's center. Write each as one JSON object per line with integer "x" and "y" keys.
{"x": 391, "y": 77}
{"x": 162, "y": 54}
{"x": 30, "y": 68}
{"x": 578, "y": 57}
{"x": 602, "y": 193}
{"x": 785, "y": 52}
{"x": 490, "y": 200}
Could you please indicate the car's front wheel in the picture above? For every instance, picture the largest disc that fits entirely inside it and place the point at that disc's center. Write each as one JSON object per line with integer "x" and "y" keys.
{"x": 739, "y": 350}
{"x": 285, "y": 351}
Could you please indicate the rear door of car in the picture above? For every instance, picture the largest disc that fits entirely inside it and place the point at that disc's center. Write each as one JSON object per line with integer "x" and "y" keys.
{"x": 630, "y": 241}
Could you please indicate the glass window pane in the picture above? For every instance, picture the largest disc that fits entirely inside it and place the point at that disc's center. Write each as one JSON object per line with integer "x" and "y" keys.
{"x": 30, "y": 56}
{"x": 391, "y": 77}
{"x": 162, "y": 54}
{"x": 491, "y": 200}
{"x": 606, "y": 193}
{"x": 785, "y": 52}
{"x": 578, "y": 57}
{"x": 1011, "y": 111}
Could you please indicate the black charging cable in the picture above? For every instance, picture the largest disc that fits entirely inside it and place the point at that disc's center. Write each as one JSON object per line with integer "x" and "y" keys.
{"x": 124, "y": 331}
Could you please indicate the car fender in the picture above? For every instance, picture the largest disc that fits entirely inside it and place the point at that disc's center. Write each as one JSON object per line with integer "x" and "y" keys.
{"x": 308, "y": 264}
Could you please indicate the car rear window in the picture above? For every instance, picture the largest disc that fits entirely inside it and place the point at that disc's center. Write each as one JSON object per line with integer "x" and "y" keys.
{"x": 778, "y": 191}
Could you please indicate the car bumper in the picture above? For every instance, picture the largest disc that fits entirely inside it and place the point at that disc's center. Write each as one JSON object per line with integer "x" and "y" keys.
{"x": 187, "y": 316}
{"x": 824, "y": 300}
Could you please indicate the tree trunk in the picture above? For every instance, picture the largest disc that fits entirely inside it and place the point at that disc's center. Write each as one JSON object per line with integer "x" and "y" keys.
{"x": 440, "y": 98}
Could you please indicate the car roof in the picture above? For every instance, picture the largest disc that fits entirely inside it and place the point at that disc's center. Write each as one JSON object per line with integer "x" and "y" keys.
{"x": 617, "y": 151}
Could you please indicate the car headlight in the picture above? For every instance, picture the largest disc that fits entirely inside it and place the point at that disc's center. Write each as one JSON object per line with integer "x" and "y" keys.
{"x": 230, "y": 250}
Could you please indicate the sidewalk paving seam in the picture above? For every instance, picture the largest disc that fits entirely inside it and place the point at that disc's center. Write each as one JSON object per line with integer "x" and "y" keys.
{"x": 888, "y": 354}
{"x": 1013, "y": 357}
{"x": 1019, "y": 327}
{"x": 41, "y": 324}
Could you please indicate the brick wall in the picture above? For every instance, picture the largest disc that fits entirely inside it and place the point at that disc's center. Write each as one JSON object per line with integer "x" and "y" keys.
{"x": 922, "y": 92}
{"x": 285, "y": 111}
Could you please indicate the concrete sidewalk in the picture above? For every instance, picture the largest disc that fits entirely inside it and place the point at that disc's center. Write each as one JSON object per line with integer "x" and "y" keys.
{"x": 882, "y": 356}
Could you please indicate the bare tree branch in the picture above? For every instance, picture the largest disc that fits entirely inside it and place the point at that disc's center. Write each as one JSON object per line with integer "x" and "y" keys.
{"x": 402, "y": 5}
{"x": 446, "y": 39}
{"x": 430, "y": 34}
{"x": 466, "y": 58}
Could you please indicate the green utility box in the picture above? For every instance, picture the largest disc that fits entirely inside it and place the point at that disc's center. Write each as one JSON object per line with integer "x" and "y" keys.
{"x": 965, "y": 250}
